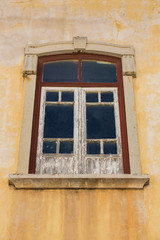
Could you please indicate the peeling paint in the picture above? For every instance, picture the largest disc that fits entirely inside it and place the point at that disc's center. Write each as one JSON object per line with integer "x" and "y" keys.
{"x": 80, "y": 214}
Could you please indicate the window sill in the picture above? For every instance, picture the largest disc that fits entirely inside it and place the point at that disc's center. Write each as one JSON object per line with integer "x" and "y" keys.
{"x": 121, "y": 181}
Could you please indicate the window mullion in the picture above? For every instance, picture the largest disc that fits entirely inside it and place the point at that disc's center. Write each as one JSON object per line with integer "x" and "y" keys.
{"x": 80, "y": 134}
{"x": 83, "y": 129}
{"x": 77, "y": 137}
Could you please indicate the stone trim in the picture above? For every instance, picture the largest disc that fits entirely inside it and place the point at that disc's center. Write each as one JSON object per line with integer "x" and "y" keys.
{"x": 79, "y": 43}
{"x": 132, "y": 132}
{"x": 30, "y": 65}
{"x": 113, "y": 49}
{"x": 26, "y": 131}
{"x": 80, "y": 181}
{"x": 83, "y": 45}
{"x": 128, "y": 65}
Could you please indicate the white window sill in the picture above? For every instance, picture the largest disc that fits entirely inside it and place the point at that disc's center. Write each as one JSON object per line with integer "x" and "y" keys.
{"x": 85, "y": 181}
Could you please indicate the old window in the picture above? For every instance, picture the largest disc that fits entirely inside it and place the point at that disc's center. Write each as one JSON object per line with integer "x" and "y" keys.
{"x": 89, "y": 98}
{"x": 79, "y": 124}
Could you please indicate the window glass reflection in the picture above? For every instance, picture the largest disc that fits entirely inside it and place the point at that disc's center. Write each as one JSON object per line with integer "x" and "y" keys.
{"x": 98, "y": 72}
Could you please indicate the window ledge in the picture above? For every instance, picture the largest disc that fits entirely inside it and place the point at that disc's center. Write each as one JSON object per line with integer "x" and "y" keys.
{"x": 85, "y": 181}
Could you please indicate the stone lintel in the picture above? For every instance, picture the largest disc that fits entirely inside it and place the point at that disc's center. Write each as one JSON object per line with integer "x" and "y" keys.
{"x": 79, "y": 181}
{"x": 32, "y": 52}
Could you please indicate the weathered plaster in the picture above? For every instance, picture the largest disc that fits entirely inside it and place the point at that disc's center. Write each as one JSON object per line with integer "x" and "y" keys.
{"x": 81, "y": 214}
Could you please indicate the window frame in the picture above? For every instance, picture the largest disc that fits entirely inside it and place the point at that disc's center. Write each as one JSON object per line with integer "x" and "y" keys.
{"x": 40, "y": 84}
{"x": 126, "y": 53}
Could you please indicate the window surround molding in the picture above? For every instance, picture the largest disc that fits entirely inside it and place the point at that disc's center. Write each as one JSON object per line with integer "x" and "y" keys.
{"x": 79, "y": 44}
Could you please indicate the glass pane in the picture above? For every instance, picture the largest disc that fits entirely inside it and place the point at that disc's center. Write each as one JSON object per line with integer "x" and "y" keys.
{"x": 58, "y": 121}
{"x": 93, "y": 148}
{"x": 107, "y": 97}
{"x": 110, "y": 148}
{"x": 52, "y": 96}
{"x": 100, "y": 122}
{"x": 60, "y": 71}
{"x": 98, "y": 72}
{"x": 66, "y": 147}
{"x": 91, "y": 97}
{"x": 67, "y": 96}
{"x": 49, "y": 147}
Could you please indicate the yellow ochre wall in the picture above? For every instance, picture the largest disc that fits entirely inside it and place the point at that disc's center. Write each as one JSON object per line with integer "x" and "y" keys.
{"x": 80, "y": 214}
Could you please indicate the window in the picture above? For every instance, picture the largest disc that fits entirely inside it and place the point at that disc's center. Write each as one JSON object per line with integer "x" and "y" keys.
{"x": 79, "y": 124}
{"x": 76, "y": 95}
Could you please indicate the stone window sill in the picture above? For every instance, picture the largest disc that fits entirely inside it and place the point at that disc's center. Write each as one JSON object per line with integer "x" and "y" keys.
{"x": 85, "y": 181}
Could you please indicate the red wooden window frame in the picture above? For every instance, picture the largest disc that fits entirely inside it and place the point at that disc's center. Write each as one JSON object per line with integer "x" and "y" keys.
{"x": 40, "y": 84}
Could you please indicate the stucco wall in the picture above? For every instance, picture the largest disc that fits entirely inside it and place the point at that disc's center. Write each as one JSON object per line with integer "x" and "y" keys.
{"x": 83, "y": 214}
